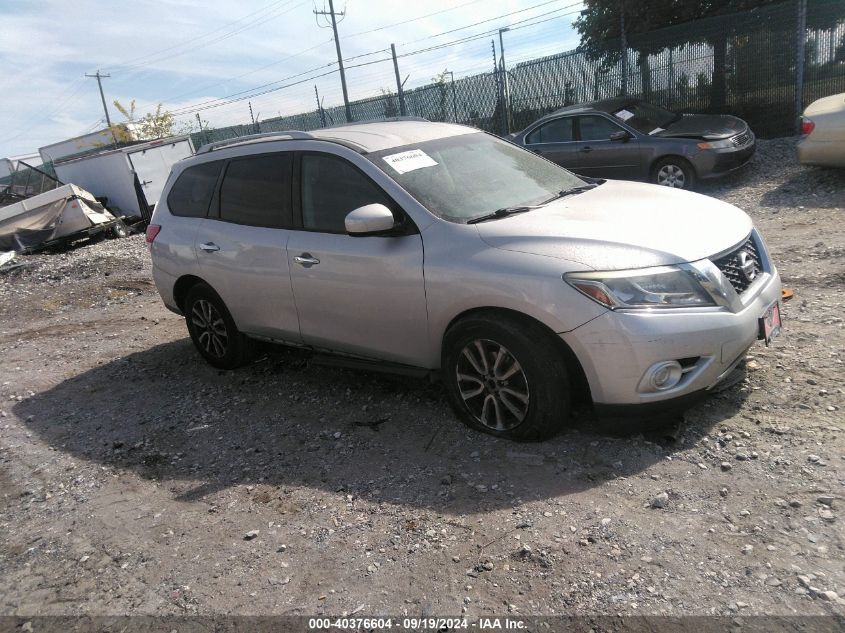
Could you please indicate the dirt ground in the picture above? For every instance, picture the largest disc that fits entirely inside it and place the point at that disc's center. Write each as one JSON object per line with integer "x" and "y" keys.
{"x": 136, "y": 479}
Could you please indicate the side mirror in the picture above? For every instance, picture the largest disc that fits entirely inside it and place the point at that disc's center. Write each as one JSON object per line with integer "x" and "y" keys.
{"x": 371, "y": 219}
{"x": 621, "y": 135}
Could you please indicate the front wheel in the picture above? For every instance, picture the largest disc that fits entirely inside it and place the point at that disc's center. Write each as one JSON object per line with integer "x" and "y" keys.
{"x": 673, "y": 172}
{"x": 505, "y": 377}
{"x": 213, "y": 330}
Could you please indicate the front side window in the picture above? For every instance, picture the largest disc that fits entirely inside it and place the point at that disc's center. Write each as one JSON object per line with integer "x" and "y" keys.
{"x": 557, "y": 131}
{"x": 192, "y": 192}
{"x": 596, "y": 128}
{"x": 331, "y": 188}
{"x": 256, "y": 191}
{"x": 461, "y": 177}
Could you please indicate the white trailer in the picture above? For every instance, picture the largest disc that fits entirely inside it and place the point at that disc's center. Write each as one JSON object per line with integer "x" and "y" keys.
{"x": 73, "y": 146}
{"x": 130, "y": 177}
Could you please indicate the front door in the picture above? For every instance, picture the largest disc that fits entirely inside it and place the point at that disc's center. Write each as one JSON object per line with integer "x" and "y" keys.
{"x": 242, "y": 245}
{"x": 361, "y": 295}
{"x": 601, "y": 157}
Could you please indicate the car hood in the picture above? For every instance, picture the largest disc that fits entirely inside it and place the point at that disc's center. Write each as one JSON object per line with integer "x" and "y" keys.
{"x": 622, "y": 225}
{"x": 705, "y": 126}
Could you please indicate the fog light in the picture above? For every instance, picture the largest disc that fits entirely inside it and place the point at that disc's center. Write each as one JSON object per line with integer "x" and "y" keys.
{"x": 662, "y": 376}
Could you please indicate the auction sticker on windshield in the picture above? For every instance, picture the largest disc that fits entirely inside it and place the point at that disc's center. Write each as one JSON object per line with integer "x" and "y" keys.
{"x": 404, "y": 162}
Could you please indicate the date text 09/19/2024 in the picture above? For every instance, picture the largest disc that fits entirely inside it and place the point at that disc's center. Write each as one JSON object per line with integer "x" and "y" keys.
{"x": 415, "y": 624}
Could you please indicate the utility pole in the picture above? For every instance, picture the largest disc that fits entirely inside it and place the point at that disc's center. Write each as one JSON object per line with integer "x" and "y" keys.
{"x": 320, "y": 107}
{"x": 403, "y": 110}
{"x": 333, "y": 15}
{"x": 506, "y": 89}
{"x": 800, "y": 41}
{"x": 623, "y": 44}
{"x": 199, "y": 122}
{"x": 99, "y": 76}
{"x": 252, "y": 118}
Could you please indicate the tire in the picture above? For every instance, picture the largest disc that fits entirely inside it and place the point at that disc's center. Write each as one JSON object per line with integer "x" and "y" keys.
{"x": 119, "y": 229}
{"x": 213, "y": 330}
{"x": 673, "y": 171}
{"x": 523, "y": 395}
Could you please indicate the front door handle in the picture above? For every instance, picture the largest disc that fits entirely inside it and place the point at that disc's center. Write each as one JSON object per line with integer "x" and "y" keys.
{"x": 209, "y": 247}
{"x": 306, "y": 260}
{"x": 587, "y": 149}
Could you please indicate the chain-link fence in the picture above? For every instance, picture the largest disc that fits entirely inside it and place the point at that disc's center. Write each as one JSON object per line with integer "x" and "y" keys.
{"x": 746, "y": 64}
{"x": 25, "y": 181}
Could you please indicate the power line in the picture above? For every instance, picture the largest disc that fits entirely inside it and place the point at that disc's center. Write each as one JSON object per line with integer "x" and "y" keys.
{"x": 419, "y": 17}
{"x": 527, "y": 22}
{"x": 251, "y": 72}
{"x": 155, "y": 56}
{"x": 498, "y": 17}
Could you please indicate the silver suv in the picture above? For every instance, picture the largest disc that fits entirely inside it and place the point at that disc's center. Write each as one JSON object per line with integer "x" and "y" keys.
{"x": 429, "y": 247}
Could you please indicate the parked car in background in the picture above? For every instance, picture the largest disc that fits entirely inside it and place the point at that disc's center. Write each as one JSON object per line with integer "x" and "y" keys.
{"x": 633, "y": 140}
{"x": 823, "y": 133}
{"x": 422, "y": 247}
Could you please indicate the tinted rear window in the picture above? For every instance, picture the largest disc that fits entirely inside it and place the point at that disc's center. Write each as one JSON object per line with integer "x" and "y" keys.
{"x": 192, "y": 192}
{"x": 256, "y": 191}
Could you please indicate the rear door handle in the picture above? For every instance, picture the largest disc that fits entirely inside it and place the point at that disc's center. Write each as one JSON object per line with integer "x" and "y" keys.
{"x": 306, "y": 260}
{"x": 209, "y": 247}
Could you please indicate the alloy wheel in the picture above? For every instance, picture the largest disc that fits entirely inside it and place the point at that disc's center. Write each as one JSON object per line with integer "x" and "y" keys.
{"x": 671, "y": 176}
{"x": 493, "y": 385}
{"x": 210, "y": 328}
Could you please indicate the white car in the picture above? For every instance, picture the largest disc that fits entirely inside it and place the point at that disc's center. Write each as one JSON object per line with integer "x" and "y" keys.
{"x": 428, "y": 247}
{"x": 823, "y": 133}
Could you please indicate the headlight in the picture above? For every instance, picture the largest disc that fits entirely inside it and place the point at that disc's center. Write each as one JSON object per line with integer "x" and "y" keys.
{"x": 659, "y": 287}
{"x": 716, "y": 144}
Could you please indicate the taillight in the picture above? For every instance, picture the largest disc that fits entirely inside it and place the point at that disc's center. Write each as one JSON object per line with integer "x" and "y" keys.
{"x": 152, "y": 231}
{"x": 807, "y": 126}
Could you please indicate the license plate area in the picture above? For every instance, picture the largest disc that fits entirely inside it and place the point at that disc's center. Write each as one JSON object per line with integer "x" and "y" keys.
{"x": 770, "y": 323}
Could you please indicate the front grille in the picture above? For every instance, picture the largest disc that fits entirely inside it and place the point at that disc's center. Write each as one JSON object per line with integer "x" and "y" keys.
{"x": 741, "y": 266}
{"x": 741, "y": 139}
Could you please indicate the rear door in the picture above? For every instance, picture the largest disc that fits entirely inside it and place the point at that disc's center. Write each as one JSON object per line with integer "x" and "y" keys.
{"x": 599, "y": 156}
{"x": 362, "y": 295}
{"x": 153, "y": 166}
{"x": 241, "y": 246}
{"x": 555, "y": 140}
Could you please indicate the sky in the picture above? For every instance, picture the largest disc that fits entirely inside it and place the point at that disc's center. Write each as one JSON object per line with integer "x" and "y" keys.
{"x": 194, "y": 54}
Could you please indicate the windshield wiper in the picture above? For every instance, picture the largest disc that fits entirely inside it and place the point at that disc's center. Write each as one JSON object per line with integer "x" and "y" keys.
{"x": 501, "y": 213}
{"x": 572, "y": 191}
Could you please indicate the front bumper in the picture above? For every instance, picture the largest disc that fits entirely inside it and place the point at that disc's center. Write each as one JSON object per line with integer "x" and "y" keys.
{"x": 617, "y": 348}
{"x": 721, "y": 162}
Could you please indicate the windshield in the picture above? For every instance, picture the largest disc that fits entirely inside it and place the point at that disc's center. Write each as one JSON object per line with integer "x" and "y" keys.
{"x": 645, "y": 117}
{"x": 459, "y": 178}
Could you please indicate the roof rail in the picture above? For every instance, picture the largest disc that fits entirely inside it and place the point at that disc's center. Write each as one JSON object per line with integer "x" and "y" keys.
{"x": 381, "y": 120}
{"x": 289, "y": 135}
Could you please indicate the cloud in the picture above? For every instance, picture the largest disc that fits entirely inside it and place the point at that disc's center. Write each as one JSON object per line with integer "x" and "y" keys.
{"x": 186, "y": 52}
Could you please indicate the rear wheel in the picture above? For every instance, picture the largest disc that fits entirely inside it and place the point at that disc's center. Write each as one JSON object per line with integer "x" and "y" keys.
{"x": 213, "y": 330}
{"x": 675, "y": 172}
{"x": 504, "y": 377}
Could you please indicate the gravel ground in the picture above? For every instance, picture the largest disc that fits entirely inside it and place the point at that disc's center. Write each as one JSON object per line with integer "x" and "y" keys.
{"x": 136, "y": 479}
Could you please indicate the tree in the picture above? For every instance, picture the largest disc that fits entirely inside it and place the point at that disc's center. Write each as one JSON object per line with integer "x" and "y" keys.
{"x": 151, "y": 126}
{"x": 391, "y": 109}
{"x": 442, "y": 91}
{"x": 600, "y": 22}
